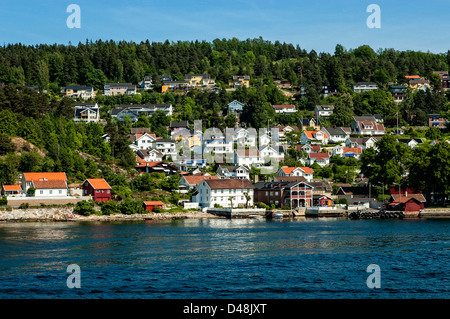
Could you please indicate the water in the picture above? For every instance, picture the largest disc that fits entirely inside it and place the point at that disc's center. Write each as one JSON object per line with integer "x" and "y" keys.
{"x": 223, "y": 258}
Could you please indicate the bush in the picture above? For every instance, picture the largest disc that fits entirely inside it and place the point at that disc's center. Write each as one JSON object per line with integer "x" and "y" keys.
{"x": 157, "y": 209}
{"x": 85, "y": 208}
{"x": 130, "y": 207}
{"x": 262, "y": 205}
{"x": 110, "y": 208}
{"x": 24, "y": 205}
{"x": 3, "y": 201}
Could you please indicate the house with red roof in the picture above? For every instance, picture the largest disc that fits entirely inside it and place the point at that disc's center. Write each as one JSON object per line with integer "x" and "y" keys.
{"x": 286, "y": 108}
{"x": 306, "y": 172}
{"x": 11, "y": 190}
{"x": 98, "y": 188}
{"x": 150, "y": 205}
{"x": 309, "y": 148}
{"x": 344, "y": 151}
{"x": 45, "y": 183}
{"x": 189, "y": 182}
{"x": 322, "y": 159}
{"x": 308, "y": 137}
{"x": 230, "y": 192}
{"x": 367, "y": 125}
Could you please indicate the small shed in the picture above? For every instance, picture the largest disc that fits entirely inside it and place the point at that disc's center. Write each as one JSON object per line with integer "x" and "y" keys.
{"x": 11, "y": 189}
{"x": 150, "y": 205}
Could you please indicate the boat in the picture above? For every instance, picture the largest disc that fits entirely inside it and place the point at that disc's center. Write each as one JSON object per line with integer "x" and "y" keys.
{"x": 277, "y": 215}
{"x": 255, "y": 216}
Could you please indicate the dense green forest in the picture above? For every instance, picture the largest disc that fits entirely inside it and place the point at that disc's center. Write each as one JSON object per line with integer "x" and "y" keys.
{"x": 95, "y": 63}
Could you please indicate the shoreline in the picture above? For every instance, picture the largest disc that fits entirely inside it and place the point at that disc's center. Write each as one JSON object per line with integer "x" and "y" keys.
{"x": 66, "y": 214}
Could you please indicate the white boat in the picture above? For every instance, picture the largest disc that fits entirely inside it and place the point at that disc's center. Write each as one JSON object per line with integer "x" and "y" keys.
{"x": 277, "y": 215}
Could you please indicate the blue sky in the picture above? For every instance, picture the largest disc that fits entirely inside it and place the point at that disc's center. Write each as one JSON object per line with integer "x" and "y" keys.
{"x": 319, "y": 25}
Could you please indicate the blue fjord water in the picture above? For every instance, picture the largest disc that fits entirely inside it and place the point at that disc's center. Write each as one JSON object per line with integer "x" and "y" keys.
{"x": 227, "y": 258}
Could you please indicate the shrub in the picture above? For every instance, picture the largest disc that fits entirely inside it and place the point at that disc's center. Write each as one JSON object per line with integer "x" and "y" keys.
{"x": 24, "y": 205}
{"x": 110, "y": 208}
{"x": 3, "y": 201}
{"x": 157, "y": 209}
{"x": 85, "y": 208}
{"x": 130, "y": 206}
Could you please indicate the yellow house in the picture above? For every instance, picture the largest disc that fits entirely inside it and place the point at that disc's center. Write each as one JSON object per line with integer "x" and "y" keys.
{"x": 419, "y": 84}
{"x": 240, "y": 81}
{"x": 199, "y": 79}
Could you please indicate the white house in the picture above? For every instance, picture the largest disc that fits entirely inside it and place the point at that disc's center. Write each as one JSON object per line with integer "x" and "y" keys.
{"x": 189, "y": 182}
{"x": 364, "y": 87}
{"x": 45, "y": 184}
{"x": 244, "y": 137}
{"x": 323, "y": 110}
{"x": 86, "y": 112}
{"x": 249, "y": 157}
{"x": 347, "y": 151}
{"x": 166, "y": 147}
{"x": 135, "y": 111}
{"x": 224, "y": 192}
{"x": 233, "y": 171}
{"x": 46, "y": 188}
{"x": 142, "y": 141}
{"x": 111, "y": 89}
{"x": 363, "y": 142}
{"x": 306, "y": 172}
{"x": 264, "y": 139}
{"x": 367, "y": 125}
{"x": 314, "y": 137}
{"x": 336, "y": 134}
{"x": 150, "y": 155}
{"x": 269, "y": 152}
{"x": 286, "y": 108}
{"x": 411, "y": 142}
{"x": 215, "y": 142}
{"x": 322, "y": 159}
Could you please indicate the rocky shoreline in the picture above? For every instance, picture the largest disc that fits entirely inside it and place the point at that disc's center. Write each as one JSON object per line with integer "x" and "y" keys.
{"x": 66, "y": 214}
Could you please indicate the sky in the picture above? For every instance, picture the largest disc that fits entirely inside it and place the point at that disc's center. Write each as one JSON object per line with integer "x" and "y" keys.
{"x": 313, "y": 25}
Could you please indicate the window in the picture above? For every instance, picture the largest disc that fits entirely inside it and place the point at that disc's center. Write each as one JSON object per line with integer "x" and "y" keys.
{"x": 41, "y": 192}
{"x": 50, "y": 192}
{"x": 60, "y": 191}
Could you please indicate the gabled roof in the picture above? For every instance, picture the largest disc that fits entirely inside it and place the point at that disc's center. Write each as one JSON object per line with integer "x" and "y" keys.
{"x": 49, "y": 184}
{"x": 231, "y": 183}
{"x": 12, "y": 187}
{"x": 313, "y": 134}
{"x": 51, "y": 176}
{"x": 98, "y": 183}
{"x": 153, "y": 203}
{"x": 319, "y": 155}
{"x": 290, "y": 170}
{"x": 355, "y": 150}
{"x": 247, "y": 152}
{"x": 404, "y": 198}
{"x": 196, "y": 179}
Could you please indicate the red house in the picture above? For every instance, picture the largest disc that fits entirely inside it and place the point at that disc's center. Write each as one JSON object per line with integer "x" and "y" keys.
{"x": 150, "y": 205}
{"x": 97, "y": 188}
{"x": 406, "y": 204}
